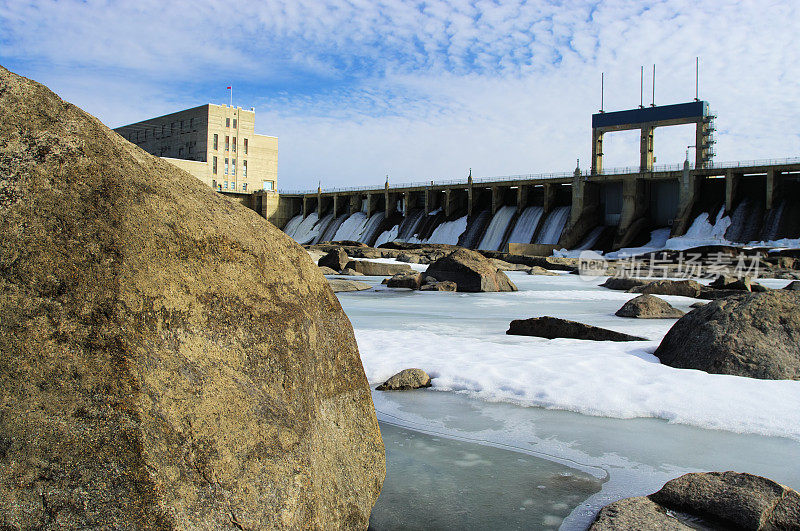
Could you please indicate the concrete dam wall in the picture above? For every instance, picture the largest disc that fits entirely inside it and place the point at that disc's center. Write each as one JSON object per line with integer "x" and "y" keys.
{"x": 754, "y": 201}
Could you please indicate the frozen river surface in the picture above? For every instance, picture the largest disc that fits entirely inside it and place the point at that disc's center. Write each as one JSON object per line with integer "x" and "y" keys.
{"x": 601, "y": 410}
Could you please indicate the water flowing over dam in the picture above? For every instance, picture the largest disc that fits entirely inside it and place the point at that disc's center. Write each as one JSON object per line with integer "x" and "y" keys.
{"x": 730, "y": 203}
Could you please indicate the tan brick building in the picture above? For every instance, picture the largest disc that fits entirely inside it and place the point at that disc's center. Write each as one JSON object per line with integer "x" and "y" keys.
{"x": 215, "y": 143}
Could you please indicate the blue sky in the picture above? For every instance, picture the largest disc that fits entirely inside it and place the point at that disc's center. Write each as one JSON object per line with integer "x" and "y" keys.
{"x": 357, "y": 90}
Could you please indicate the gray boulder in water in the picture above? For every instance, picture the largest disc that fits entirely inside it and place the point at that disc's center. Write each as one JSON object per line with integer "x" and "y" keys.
{"x": 378, "y": 269}
{"x": 336, "y": 259}
{"x": 471, "y": 271}
{"x": 405, "y": 380}
{"x": 710, "y": 500}
{"x": 624, "y": 283}
{"x": 410, "y": 280}
{"x": 440, "y": 286}
{"x": 685, "y": 288}
{"x": 649, "y": 307}
{"x": 553, "y": 327}
{"x": 753, "y": 334}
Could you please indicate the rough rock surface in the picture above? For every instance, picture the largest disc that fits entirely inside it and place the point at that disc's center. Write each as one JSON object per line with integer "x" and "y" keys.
{"x": 721, "y": 500}
{"x": 377, "y": 269}
{"x": 471, "y": 271}
{"x": 553, "y": 327}
{"x": 536, "y": 270}
{"x": 341, "y": 284}
{"x": 336, "y": 260}
{"x": 623, "y": 283}
{"x": 410, "y": 280}
{"x": 685, "y": 288}
{"x": 168, "y": 359}
{"x": 649, "y": 307}
{"x": 732, "y": 283}
{"x": 351, "y": 272}
{"x": 636, "y": 514}
{"x": 327, "y": 271}
{"x": 439, "y": 286}
{"x": 754, "y": 334}
{"x": 405, "y": 380}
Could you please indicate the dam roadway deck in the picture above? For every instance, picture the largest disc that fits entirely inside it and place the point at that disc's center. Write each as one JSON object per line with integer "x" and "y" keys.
{"x": 625, "y": 198}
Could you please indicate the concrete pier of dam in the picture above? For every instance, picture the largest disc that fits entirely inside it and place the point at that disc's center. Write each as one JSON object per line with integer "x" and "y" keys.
{"x": 627, "y": 202}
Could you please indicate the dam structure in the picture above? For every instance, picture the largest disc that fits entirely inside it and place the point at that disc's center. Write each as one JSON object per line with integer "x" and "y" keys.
{"x": 599, "y": 208}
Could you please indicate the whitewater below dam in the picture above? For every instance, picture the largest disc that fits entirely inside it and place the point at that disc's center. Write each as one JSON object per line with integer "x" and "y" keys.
{"x": 523, "y": 432}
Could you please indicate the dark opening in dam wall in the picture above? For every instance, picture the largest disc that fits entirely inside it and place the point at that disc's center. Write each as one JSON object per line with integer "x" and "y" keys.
{"x": 580, "y": 210}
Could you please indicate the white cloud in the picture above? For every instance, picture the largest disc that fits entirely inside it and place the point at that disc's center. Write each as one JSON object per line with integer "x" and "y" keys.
{"x": 357, "y": 89}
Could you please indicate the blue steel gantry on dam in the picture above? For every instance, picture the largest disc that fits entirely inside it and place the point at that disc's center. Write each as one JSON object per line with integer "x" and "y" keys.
{"x": 629, "y": 202}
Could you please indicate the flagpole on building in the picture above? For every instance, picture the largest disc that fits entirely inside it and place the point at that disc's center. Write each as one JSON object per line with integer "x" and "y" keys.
{"x": 230, "y": 88}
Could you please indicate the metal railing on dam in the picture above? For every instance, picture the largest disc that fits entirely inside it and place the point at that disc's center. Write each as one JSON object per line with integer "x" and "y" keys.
{"x": 624, "y": 170}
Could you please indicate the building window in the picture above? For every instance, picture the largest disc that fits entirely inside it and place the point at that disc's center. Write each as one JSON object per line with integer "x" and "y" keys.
{"x": 191, "y": 123}
{"x": 189, "y": 147}
{"x": 234, "y": 123}
{"x": 214, "y": 166}
{"x": 234, "y": 166}
{"x": 172, "y": 127}
{"x": 181, "y": 126}
{"x": 227, "y": 122}
{"x": 214, "y": 184}
{"x": 216, "y": 141}
{"x": 244, "y": 187}
{"x": 180, "y": 153}
{"x": 233, "y": 145}
{"x": 225, "y": 185}
{"x": 227, "y": 143}
{"x": 245, "y": 146}
{"x": 244, "y": 169}
{"x": 266, "y": 185}
{"x": 226, "y": 169}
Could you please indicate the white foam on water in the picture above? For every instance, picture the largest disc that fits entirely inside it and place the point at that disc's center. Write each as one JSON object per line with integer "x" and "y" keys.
{"x": 525, "y": 227}
{"x": 447, "y": 232}
{"x": 553, "y": 226}
{"x": 493, "y": 237}
{"x": 305, "y": 231}
{"x": 387, "y": 236}
{"x": 291, "y": 226}
{"x": 352, "y": 228}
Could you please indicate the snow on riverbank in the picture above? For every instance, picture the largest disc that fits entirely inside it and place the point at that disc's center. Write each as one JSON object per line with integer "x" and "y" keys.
{"x": 460, "y": 340}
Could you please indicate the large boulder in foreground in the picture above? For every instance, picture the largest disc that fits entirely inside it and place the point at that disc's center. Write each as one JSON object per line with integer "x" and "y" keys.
{"x": 168, "y": 359}
{"x": 755, "y": 335}
{"x": 649, "y": 307}
{"x": 471, "y": 271}
{"x": 405, "y": 380}
{"x": 553, "y": 327}
{"x": 710, "y": 500}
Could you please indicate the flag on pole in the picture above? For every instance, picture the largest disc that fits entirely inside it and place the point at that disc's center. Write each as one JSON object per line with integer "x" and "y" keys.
{"x": 229, "y": 88}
